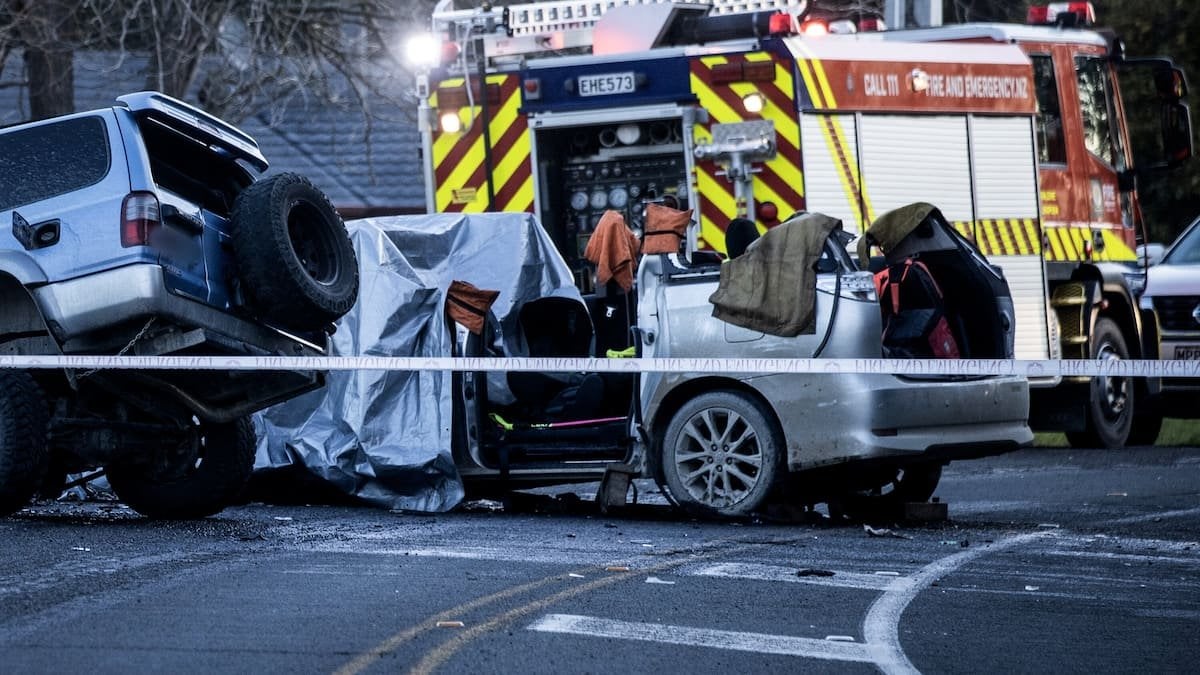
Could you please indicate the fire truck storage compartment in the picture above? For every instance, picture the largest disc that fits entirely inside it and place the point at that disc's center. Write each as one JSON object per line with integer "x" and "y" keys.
{"x": 585, "y": 170}
{"x": 978, "y": 169}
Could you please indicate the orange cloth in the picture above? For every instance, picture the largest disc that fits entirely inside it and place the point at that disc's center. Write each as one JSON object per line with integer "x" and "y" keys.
{"x": 469, "y": 305}
{"x": 665, "y": 228}
{"x": 613, "y": 249}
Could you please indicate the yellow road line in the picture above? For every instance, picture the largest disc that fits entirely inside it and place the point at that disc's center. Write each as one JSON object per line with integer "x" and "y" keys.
{"x": 449, "y": 648}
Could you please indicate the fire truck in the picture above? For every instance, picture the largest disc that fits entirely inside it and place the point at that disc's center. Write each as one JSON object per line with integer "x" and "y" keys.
{"x": 762, "y": 109}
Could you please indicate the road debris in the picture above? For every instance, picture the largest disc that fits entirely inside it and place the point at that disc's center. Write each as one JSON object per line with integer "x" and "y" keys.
{"x": 813, "y": 573}
{"x": 576, "y": 576}
{"x": 883, "y": 532}
{"x": 656, "y": 580}
{"x": 616, "y": 568}
{"x": 1033, "y": 588}
{"x": 839, "y": 638}
{"x": 450, "y": 624}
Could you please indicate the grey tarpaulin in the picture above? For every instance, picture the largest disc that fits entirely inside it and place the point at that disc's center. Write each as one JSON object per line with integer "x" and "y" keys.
{"x": 385, "y": 436}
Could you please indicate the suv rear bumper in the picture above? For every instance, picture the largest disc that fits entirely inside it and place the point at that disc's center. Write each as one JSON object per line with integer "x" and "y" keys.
{"x": 875, "y": 416}
{"x": 81, "y": 307}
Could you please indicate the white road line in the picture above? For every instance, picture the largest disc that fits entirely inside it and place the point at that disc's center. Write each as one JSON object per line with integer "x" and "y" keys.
{"x": 760, "y": 643}
{"x": 881, "y": 627}
{"x": 760, "y": 572}
{"x": 509, "y": 554}
{"x": 1150, "y": 517}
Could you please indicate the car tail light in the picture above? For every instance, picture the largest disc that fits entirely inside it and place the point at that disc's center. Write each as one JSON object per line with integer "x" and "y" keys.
{"x": 139, "y": 217}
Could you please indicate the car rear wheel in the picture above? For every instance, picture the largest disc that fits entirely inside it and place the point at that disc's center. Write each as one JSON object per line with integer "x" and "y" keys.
{"x": 1146, "y": 426}
{"x": 199, "y": 478}
{"x": 295, "y": 259}
{"x": 912, "y": 483}
{"x": 1110, "y": 405}
{"x": 23, "y": 456}
{"x": 721, "y": 455}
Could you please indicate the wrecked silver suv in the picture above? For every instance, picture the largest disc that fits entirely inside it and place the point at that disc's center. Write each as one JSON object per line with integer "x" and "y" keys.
{"x": 724, "y": 443}
{"x": 145, "y": 229}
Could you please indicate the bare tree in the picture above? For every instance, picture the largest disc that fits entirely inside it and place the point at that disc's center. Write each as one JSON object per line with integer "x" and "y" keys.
{"x": 236, "y": 57}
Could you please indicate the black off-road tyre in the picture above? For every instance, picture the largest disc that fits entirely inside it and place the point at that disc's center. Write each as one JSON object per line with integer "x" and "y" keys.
{"x": 1146, "y": 426}
{"x": 295, "y": 260}
{"x": 1110, "y": 405}
{"x": 722, "y": 455}
{"x": 23, "y": 455}
{"x": 203, "y": 488}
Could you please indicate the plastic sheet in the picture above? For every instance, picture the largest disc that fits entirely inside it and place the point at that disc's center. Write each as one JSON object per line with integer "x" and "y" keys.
{"x": 385, "y": 437}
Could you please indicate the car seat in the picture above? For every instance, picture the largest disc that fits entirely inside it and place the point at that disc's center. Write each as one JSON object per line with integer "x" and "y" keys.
{"x": 739, "y": 235}
{"x": 556, "y": 327}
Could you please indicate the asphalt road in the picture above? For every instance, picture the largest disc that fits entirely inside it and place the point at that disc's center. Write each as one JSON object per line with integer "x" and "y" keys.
{"x": 1052, "y": 560}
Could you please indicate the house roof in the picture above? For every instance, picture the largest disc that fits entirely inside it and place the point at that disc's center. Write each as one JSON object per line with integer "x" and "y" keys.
{"x": 364, "y": 169}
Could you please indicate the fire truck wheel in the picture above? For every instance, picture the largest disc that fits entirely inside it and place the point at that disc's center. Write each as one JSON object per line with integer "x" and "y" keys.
{"x": 722, "y": 455}
{"x": 23, "y": 456}
{"x": 1110, "y": 406}
{"x": 199, "y": 478}
{"x": 1146, "y": 425}
{"x": 294, "y": 257}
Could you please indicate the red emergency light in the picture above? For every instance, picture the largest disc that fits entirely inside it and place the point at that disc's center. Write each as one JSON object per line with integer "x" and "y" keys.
{"x": 782, "y": 23}
{"x": 1062, "y": 13}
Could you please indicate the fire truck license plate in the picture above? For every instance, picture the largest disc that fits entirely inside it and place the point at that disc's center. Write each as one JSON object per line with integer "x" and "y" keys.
{"x": 1187, "y": 353}
{"x": 608, "y": 83}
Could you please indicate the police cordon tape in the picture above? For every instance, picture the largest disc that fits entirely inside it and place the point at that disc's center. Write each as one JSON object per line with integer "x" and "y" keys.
{"x": 1025, "y": 368}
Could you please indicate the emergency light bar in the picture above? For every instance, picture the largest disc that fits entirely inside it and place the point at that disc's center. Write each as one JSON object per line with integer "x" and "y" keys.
{"x": 1062, "y": 14}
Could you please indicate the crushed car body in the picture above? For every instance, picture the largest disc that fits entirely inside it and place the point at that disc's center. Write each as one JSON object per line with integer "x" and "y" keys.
{"x": 719, "y": 444}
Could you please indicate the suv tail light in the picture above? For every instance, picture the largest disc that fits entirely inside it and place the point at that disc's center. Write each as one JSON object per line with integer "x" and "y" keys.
{"x": 139, "y": 216}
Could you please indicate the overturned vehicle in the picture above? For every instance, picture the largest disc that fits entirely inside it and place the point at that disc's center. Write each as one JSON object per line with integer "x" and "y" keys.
{"x": 718, "y": 444}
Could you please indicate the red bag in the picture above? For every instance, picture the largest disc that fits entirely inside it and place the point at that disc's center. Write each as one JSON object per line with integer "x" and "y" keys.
{"x": 915, "y": 323}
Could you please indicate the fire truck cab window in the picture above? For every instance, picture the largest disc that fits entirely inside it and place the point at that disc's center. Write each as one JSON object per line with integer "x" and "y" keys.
{"x": 1094, "y": 91}
{"x": 1051, "y": 147}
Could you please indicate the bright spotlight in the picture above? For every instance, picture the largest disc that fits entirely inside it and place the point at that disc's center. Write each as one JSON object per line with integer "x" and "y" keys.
{"x": 451, "y": 123}
{"x": 422, "y": 50}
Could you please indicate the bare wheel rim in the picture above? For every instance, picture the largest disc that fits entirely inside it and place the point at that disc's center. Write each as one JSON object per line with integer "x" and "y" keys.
{"x": 313, "y": 244}
{"x": 718, "y": 457}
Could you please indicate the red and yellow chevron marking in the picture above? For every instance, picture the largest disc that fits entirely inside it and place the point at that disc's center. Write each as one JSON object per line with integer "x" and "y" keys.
{"x": 1066, "y": 243}
{"x": 781, "y": 180}
{"x": 816, "y": 81}
{"x": 1002, "y": 236}
{"x": 1008, "y": 236}
{"x": 458, "y": 158}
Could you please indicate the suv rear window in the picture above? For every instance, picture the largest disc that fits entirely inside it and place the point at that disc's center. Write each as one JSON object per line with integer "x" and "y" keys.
{"x": 185, "y": 166}
{"x": 52, "y": 159}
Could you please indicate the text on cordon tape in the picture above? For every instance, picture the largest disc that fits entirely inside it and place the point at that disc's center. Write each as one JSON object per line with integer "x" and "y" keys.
{"x": 1024, "y": 368}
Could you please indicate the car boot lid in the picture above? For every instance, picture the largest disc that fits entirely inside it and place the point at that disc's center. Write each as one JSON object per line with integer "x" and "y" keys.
{"x": 195, "y": 123}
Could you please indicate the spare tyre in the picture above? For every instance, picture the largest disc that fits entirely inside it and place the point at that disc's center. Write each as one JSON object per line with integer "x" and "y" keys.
{"x": 294, "y": 257}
